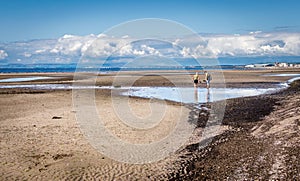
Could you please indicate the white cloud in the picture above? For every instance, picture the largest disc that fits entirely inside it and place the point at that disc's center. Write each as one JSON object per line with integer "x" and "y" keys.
{"x": 3, "y": 54}
{"x": 253, "y": 44}
{"x": 126, "y": 50}
{"x": 125, "y": 36}
{"x": 237, "y": 45}
{"x": 27, "y": 55}
{"x": 40, "y": 51}
{"x": 147, "y": 50}
{"x": 67, "y": 36}
{"x": 108, "y": 46}
{"x": 73, "y": 45}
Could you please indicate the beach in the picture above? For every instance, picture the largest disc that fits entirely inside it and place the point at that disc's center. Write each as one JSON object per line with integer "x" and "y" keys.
{"x": 258, "y": 137}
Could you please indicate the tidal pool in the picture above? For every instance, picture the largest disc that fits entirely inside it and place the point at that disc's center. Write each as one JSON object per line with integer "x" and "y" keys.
{"x": 283, "y": 75}
{"x": 24, "y": 79}
{"x": 177, "y": 94}
{"x": 194, "y": 95}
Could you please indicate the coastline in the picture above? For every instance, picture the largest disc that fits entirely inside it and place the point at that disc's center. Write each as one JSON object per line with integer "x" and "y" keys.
{"x": 158, "y": 78}
{"x": 263, "y": 142}
{"x": 36, "y": 145}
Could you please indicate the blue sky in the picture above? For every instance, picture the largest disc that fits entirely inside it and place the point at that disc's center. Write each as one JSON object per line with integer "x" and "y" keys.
{"x": 42, "y": 19}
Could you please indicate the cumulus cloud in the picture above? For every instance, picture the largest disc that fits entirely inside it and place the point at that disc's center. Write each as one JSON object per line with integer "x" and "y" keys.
{"x": 3, "y": 54}
{"x": 255, "y": 44}
{"x": 73, "y": 45}
{"x": 103, "y": 46}
{"x": 26, "y": 54}
{"x": 252, "y": 44}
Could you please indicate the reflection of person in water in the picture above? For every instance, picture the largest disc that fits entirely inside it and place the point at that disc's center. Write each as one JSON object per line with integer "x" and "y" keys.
{"x": 208, "y": 96}
{"x": 196, "y": 95}
{"x": 196, "y": 79}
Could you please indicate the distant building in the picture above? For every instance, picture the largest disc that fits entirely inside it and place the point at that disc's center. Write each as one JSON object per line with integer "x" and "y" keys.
{"x": 276, "y": 64}
{"x": 249, "y": 66}
{"x": 283, "y": 64}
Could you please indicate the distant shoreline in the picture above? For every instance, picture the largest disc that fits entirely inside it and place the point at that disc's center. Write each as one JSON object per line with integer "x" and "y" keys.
{"x": 260, "y": 78}
{"x": 112, "y": 70}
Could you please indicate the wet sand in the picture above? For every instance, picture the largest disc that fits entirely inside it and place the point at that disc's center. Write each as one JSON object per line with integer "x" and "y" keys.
{"x": 259, "y": 138}
{"x": 262, "y": 144}
{"x": 232, "y": 78}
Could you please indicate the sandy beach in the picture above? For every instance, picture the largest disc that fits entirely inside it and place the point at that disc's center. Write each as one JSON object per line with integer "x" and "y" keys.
{"x": 258, "y": 137}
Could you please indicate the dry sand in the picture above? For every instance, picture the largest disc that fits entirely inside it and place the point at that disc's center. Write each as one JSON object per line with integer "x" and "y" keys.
{"x": 41, "y": 140}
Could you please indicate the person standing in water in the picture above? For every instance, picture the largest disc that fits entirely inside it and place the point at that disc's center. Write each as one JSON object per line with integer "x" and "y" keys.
{"x": 196, "y": 79}
{"x": 207, "y": 79}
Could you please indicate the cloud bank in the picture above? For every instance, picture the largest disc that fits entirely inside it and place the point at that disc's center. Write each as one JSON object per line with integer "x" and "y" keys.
{"x": 3, "y": 54}
{"x": 70, "y": 48}
{"x": 255, "y": 44}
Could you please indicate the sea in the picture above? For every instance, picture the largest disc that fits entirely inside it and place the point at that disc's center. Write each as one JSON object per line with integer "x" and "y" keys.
{"x": 68, "y": 69}
{"x": 228, "y": 63}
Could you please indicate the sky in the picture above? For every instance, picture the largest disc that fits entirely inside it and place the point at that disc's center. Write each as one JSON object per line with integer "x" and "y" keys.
{"x": 49, "y": 19}
{"x": 64, "y": 31}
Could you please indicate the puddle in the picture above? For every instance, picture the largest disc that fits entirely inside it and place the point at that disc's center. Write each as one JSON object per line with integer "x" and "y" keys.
{"x": 285, "y": 84}
{"x": 283, "y": 75}
{"x": 192, "y": 95}
{"x": 177, "y": 94}
{"x": 48, "y": 86}
{"x": 293, "y": 79}
{"x": 58, "y": 87}
{"x": 24, "y": 79}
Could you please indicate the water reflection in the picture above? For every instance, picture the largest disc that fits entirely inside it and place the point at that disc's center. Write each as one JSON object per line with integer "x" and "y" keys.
{"x": 283, "y": 75}
{"x": 177, "y": 94}
{"x": 208, "y": 96}
{"x": 24, "y": 79}
{"x": 194, "y": 95}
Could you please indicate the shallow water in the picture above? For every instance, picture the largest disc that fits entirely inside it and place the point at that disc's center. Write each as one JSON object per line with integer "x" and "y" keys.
{"x": 177, "y": 94}
{"x": 24, "y": 79}
{"x": 286, "y": 84}
{"x": 192, "y": 95}
{"x": 283, "y": 75}
{"x": 48, "y": 86}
